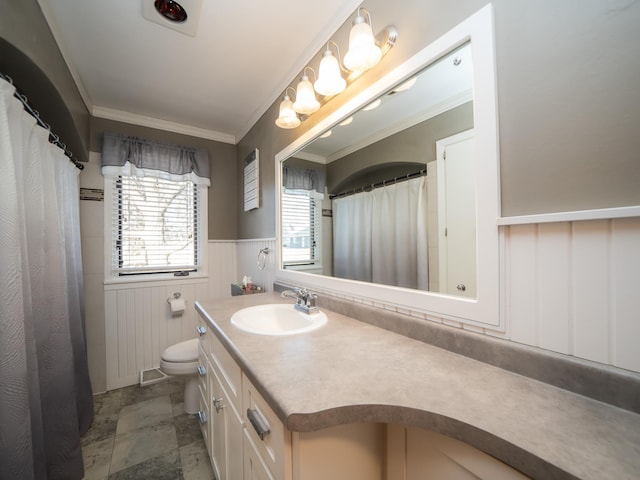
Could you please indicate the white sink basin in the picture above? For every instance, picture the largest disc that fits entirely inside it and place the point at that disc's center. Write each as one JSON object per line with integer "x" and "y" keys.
{"x": 276, "y": 319}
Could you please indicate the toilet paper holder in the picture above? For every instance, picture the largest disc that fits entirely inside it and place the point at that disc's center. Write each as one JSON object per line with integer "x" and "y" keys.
{"x": 175, "y": 296}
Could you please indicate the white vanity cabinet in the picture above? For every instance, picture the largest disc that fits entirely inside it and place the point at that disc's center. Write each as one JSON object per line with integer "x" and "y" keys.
{"x": 247, "y": 440}
{"x": 220, "y": 420}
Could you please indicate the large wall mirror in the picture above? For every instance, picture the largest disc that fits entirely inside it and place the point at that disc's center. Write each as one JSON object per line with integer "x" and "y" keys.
{"x": 394, "y": 197}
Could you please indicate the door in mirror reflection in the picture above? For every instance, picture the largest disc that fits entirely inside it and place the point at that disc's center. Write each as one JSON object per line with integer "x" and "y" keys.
{"x": 456, "y": 216}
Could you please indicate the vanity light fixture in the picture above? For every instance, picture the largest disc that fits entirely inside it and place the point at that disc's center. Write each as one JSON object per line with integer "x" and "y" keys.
{"x": 330, "y": 81}
{"x": 288, "y": 118}
{"x": 306, "y": 101}
{"x": 363, "y": 52}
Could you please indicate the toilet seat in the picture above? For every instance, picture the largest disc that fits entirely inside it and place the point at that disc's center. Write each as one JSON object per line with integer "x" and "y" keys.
{"x": 186, "y": 351}
{"x": 181, "y": 358}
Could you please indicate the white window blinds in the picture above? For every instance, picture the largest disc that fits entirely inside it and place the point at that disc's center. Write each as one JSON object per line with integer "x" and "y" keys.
{"x": 155, "y": 225}
{"x": 300, "y": 227}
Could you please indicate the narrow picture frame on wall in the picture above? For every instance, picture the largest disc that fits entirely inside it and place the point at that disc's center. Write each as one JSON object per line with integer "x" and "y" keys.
{"x": 252, "y": 181}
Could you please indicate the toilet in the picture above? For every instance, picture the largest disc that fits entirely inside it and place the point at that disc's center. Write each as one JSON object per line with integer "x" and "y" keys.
{"x": 181, "y": 359}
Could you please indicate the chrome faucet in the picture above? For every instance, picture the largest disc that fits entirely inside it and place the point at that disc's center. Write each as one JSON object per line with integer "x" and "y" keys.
{"x": 305, "y": 300}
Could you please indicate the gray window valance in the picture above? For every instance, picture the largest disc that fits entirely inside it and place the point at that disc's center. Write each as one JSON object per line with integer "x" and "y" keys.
{"x": 302, "y": 179}
{"x": 132, "y": 156}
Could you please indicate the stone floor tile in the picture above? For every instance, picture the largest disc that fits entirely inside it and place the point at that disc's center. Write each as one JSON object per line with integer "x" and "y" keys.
{"x": 97, "y": 457}
{"x": 102, "y": 428}
{"x": 136, "y": 446}
{"x": 107, "y": 403}
{"x": 136, "y": 393}
{"x": 163, "y": 467}
{"x": 195, "y": 462}
{"x": 145, "y": 413}
{"x": 187, "y": 429}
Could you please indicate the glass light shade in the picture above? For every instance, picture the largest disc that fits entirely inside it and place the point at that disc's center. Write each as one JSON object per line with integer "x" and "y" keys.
{"x": 306, "y": 101}
{"x": 363, "y": 52}
{"x": 375, "y": 104}
{"x": 406, "y": 85}
{"x": 330, "y": 81}
{"x": 288, "y": 118}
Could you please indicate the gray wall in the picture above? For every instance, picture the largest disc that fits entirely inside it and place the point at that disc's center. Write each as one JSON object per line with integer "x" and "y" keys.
{"x": 223, "y": 193}
{"x": 29, "y": 54}
{"x": 416, "y": 144}
{"x": 568, "y": 77}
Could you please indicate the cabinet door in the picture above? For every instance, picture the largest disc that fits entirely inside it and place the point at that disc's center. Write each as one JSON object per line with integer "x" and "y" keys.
{"x": 254, "y": 467}
{"x": 226, "y": 433}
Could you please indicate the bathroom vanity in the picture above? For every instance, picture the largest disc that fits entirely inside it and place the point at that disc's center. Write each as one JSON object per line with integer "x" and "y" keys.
{"x": 351, "y": 400}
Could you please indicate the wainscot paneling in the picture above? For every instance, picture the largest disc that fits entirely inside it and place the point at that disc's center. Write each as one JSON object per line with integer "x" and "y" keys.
{"x": 249, "y": 262}
{"x": 571, "y": 287}
{"x": 139, "y": 324}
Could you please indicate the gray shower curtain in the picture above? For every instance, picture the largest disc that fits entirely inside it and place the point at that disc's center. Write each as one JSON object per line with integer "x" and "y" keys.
{"x": 45, "y": 393}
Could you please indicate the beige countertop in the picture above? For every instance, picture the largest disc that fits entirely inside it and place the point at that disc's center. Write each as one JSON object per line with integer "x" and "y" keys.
{"x": 349, "y": 371}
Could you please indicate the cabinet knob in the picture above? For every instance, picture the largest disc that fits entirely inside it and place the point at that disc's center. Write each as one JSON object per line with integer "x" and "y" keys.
{"x": 461, "y": 287}
{"x": 217, "y": 403}
{"x": 201, "y": 330}
{"x": 202, "y": 371}
{"x": 202, "y": 417}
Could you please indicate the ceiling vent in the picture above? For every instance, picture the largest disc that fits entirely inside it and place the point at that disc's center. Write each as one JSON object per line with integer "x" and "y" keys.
{"x": 179, "y": 15}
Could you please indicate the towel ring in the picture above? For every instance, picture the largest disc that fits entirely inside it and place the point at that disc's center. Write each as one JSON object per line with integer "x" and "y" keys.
{"x": 262, "y": 258}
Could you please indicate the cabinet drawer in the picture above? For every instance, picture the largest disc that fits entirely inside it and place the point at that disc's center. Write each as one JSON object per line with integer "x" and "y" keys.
{"x": 229, "y": 372}
{"x": 274, "y": 446}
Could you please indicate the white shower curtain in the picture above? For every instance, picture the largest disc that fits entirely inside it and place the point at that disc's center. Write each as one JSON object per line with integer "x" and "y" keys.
{"x": 45, "y": 394}
{"x": 381, "y": 236}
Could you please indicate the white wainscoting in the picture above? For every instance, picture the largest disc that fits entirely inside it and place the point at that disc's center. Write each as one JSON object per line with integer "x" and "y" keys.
{"x": 139, "y": 324}
{"x": 248, "y": 261}
{"x": 572, "y": 287}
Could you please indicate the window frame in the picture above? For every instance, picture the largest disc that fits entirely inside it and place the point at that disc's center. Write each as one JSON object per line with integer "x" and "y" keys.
{"x": 316, "y": 261}
{"x": 114, "y": 277}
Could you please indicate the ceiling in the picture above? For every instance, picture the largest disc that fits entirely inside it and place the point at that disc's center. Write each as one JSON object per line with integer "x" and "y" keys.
{"x": 215, "y": 84}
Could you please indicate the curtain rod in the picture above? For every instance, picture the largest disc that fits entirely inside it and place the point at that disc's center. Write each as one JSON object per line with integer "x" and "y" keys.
{"x": 53, "y": 138}
{"x": 384, "y": 183}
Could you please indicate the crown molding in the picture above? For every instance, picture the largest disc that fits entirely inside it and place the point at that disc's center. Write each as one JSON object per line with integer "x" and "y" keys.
{"x": 151, "y": 122}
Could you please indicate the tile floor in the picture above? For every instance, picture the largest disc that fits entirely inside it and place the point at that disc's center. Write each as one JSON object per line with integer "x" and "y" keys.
{"x": 143, "y": 433}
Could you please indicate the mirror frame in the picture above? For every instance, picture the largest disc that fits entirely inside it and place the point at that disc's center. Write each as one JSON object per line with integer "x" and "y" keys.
{"x": 484, "y": 310}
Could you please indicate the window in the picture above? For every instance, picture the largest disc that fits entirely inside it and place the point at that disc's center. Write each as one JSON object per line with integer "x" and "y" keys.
{"x": 300, "y": 227}
{"x": 156, "y": 225}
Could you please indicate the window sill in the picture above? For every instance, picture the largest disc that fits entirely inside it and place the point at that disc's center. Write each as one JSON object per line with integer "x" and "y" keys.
{"x": 133, "y": 281}
{"x": 304, "y": 267}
